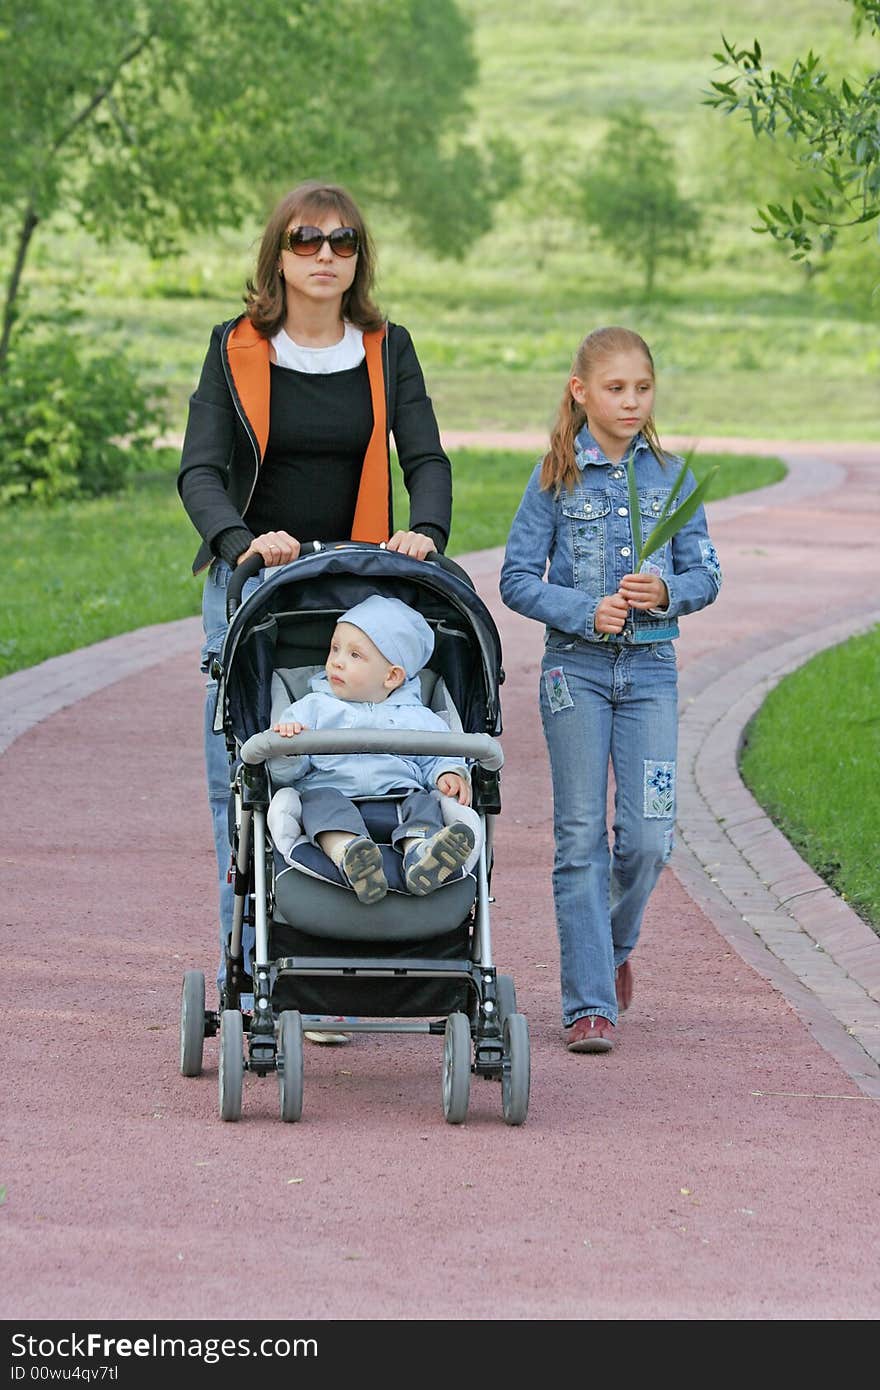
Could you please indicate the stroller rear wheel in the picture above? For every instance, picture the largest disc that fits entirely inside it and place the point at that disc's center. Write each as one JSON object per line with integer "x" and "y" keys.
{"x": 290, "y": 1064}
{"x": 516, "y": 1072}
{"x": 231, "y": 1070}
{"x": 456, "y": 1068}
{"x": 192, "y": 1023}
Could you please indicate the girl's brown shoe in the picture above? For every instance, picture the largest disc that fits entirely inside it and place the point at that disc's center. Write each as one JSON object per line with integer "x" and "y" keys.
{"x": 593, "y": 1033}
{"x": 623, "y": 984}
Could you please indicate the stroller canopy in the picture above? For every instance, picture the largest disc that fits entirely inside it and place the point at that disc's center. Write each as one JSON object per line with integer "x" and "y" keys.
{"x": 287, "y": 622}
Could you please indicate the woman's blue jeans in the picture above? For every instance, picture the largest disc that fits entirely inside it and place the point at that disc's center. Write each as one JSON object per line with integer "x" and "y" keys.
{"x": 601, "y": 703}
{"x": 216, "y": 754}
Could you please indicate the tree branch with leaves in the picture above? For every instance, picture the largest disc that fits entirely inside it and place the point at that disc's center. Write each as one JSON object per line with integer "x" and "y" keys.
{"x": 156, "y": 122}
{"x": 155, "y": 119}
{"x": 835, "y": 132}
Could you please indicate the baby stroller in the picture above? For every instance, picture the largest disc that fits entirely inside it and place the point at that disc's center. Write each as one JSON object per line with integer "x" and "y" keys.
{"x": 405, "y": 964}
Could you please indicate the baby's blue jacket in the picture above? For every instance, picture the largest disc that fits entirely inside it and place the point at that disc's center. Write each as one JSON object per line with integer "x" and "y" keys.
{"x": 362, "y": 774}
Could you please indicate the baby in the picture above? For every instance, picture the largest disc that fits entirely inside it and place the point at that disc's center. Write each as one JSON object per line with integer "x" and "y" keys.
{"x": 371, "y": 681}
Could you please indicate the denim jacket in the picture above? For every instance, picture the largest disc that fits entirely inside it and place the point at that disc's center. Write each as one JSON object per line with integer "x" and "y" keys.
{"x": 586, "y": 536}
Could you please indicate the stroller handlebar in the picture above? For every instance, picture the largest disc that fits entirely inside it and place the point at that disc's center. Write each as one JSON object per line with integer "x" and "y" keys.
{"x": 479, "y": 748}
{"x": 251, "y": 567}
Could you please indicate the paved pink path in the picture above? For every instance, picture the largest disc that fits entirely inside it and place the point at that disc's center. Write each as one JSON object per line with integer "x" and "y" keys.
{"x": 721, "y": 1163}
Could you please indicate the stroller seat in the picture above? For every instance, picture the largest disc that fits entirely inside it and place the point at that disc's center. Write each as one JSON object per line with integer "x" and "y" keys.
{"x": 309, "y": 892}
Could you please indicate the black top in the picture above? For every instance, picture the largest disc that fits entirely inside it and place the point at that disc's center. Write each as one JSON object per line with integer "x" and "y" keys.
{"x": 220, "y": 477}
{"x": 319, "y": 428}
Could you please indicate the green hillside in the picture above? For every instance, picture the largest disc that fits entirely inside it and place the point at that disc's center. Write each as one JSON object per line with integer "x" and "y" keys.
{"x": 744, "y": 343}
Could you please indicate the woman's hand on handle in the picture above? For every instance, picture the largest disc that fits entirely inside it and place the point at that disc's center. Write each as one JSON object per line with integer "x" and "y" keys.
{"x": 411, "y": 543}
{"x": 275, "y": 547}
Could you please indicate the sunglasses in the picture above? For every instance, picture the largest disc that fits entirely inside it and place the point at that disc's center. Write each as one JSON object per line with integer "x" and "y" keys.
{"x": 307, "y": 241}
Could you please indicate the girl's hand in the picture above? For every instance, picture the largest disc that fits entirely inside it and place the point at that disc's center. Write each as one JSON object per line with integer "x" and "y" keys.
{"x": 644, "y": 591}
{"x": 276, "y": 548}
{"x": 411, "y": 543}
{"x": 288, "y": 730}
{"x": 611, "y": 614}
{"x": 453, "y": 784}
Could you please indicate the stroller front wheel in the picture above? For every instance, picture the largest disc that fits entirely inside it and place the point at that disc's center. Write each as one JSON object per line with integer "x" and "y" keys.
{"x": 231, "y": 1072}
{"x": 290, "y": 1064}
{"x": 516, "y": 1070}
{"x": 192, "y": 1023}
{"x": 456, "y": 1068}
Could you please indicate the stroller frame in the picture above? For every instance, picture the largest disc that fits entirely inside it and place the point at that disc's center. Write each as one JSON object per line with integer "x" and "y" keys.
{"x": 487, "y": 1037}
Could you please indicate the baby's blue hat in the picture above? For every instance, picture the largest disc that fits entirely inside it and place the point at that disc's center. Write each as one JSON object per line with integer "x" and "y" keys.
{"x": 401, "y": 634}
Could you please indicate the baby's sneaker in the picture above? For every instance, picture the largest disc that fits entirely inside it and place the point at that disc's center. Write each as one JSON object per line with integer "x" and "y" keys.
{"x": 361, "y": 867}
{"x": 428, "y": 864}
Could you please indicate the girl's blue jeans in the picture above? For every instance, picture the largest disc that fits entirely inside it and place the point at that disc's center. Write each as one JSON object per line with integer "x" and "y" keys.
{"x": 601, "y": 703}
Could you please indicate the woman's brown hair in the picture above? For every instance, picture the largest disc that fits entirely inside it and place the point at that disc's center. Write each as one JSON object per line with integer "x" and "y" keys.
{"x": 559, "y": 468}
{"x": 265, "y": 302}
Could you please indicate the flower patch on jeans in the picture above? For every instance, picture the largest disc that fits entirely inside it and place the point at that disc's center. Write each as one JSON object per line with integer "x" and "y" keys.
{"x": 558, "y": 695}
{"x": 659, "y": 789}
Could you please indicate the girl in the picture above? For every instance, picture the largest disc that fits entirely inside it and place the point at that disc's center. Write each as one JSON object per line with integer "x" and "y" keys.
{"x": 608, "y": 677}
{"x": 287, "y": 436}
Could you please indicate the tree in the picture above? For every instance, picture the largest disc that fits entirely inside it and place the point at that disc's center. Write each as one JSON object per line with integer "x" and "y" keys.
{"x": 152, "y": 119}
{"x": 835, "y": 130}
{"x": 629, "y": 194}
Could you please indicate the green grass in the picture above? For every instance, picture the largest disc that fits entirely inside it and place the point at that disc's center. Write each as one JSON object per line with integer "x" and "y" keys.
{"x": 812, "y": 764}
{"x": 488, "y": 484}
{"x": 115, "y": 564}
{"x": 745, "y": 349}
{"x": 102, "y": 567}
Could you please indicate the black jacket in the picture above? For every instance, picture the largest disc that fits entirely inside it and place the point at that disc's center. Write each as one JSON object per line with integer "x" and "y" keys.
{"x": 228, "y": 422}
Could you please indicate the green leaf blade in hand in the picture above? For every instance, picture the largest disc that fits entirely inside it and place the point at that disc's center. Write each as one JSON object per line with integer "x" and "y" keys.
{"x": 666, "y": 529}
{"x": 634, "y": 514}
{"x": 673, "y": 493}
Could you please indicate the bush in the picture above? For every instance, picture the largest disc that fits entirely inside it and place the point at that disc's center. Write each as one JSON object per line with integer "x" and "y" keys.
{"x": 72, "y": 422}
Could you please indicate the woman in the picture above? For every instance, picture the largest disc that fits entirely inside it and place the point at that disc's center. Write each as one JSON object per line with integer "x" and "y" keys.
{"x": 287, "y": 436}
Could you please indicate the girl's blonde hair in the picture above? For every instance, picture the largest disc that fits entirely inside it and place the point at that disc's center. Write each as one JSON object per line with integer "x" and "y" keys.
{"x": 265, "y": 300}
{"x": 559, "y": 468}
